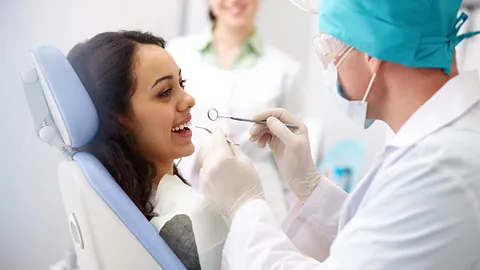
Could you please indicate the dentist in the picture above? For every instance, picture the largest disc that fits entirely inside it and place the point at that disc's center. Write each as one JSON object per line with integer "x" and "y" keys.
{"x": 419, "y": 205}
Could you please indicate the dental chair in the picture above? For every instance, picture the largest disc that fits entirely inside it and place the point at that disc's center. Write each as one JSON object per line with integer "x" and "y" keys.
{"x": 107, "y": 229}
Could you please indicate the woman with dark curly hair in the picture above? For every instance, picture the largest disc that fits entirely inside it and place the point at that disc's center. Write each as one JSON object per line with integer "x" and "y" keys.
{"x": 144, "y": 116}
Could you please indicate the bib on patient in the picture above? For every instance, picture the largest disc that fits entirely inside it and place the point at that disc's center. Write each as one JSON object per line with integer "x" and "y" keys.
{"x": 190, "y": 225}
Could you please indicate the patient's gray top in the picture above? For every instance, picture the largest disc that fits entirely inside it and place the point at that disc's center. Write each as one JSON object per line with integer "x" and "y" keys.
{"x": 178, "y": 234}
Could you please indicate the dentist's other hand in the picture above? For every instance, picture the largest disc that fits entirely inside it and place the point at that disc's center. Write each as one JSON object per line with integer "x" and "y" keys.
{"x": 204, "y": 148}
{"x": 291, "y": 149}
{"x": 228, "y": 178}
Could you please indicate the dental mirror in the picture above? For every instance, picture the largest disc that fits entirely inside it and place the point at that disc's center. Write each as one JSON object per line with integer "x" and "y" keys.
{"x": 213, "y": 116}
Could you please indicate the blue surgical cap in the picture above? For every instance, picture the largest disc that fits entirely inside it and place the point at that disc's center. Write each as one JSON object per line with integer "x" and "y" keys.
{"x": 414, "y": 33}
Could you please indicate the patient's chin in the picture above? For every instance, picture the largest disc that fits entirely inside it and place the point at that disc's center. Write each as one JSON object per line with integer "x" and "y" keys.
{"x": 186, "y": 151}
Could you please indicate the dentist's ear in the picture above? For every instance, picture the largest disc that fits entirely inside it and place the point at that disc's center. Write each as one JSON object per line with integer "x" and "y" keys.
{"x": 373, "y": 63}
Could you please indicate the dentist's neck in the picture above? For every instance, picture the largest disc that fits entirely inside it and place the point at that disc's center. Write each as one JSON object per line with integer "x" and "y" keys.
{"x": 408, "y": 89}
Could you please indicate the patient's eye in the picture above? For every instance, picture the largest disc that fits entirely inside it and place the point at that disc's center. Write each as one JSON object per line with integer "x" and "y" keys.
{"x": 182, "y": 83}
{"x": 165, "y": 93}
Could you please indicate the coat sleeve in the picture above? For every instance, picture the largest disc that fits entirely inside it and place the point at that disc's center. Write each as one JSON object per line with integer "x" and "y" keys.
{"x": 414, "y": 216}
{"x": 306, "y": 236}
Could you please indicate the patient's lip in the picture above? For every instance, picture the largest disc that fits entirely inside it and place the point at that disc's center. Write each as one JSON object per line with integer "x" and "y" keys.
{"x": 184, "y": 121}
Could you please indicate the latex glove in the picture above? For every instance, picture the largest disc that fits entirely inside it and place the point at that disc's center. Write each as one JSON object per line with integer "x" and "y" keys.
{"x": 229, "y": 134}
{"x": 291, "y": 149}
{"x": 228, "y": 178}
{"x": 204, "y": 148}
{"x": 202, "y": 152}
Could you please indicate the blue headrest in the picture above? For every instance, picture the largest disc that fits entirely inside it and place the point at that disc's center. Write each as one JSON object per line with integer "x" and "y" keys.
{"x": 70, "y": 106}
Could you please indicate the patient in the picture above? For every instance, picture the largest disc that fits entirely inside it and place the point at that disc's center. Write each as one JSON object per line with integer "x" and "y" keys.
{"x": 144, "y": 114}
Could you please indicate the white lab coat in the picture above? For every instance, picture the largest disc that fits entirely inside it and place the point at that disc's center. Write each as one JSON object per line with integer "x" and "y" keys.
{"x": 272, "y": 82}
{"x": 471, "y": 52}
{"x": 417, "y": 208}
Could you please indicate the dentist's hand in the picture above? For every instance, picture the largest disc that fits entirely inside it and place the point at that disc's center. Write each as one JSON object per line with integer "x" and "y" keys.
{"x": 228, "y": 178}
{"x": 203, "y": 149}
{"x": 291, "y": 149}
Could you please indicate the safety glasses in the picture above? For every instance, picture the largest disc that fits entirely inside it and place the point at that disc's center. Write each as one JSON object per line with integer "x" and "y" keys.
{"x": 329, "y": 49}
{"x": 312, "y": 6}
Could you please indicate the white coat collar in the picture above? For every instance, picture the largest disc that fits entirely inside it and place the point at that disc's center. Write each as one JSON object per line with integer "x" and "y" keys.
{"x": 455, "y": 98}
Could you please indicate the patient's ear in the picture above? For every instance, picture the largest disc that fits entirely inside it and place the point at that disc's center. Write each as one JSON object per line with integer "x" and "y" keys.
{"x": 126, "y": 121}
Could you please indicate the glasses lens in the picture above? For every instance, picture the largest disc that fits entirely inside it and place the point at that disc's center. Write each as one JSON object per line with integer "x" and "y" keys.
{"x": 328, "y": 49}
{"x": 312, "y": 6}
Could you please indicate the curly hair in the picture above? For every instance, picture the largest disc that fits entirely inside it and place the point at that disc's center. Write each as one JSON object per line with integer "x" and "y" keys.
{"x": 104, "y": 65}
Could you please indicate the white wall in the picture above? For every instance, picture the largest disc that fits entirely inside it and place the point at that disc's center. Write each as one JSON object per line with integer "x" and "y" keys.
{"x": 33, "y": 231}
{"x": 194, "y": 17}
{"x": 286, "y": 27}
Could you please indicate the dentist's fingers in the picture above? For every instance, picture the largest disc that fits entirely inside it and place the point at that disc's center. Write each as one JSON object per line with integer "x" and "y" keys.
{"x": 207, "y": 166}
{"x": 259, "y": 135}
{"x": 220, "y": 150}
{"x": 239, "y": 154}
{"x": 220, "y": 146}
{"x": 257, "y": 128}
{"x": 279, "y": 129}
{"x": 262, "y": 142}
{"x": 281, "y": 114}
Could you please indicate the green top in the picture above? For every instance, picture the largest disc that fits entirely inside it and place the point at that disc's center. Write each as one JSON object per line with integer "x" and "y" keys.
{"x": 248, "y": 56}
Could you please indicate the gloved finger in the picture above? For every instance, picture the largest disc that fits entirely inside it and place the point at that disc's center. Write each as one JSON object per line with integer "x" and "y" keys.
{"x": 279, "y": 113}
{"x": 238, "y": 153}
{"x": 259, "y": 135}
{"x": 262, "y": 142}
{"x": 279, "y": 129}
{"x": 204, "y": 149}
{"x": 220, "y": 146}
{"x": 202, "y": 179}
{"x": 208, "y": 162}
{"x": 257, "y": 128}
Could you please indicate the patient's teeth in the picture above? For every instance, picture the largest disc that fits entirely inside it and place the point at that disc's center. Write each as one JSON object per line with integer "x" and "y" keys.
{"x": 182, "y": 126}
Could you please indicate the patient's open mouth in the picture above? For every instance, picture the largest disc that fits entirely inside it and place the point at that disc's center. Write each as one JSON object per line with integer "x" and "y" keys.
{"x": 182, "y": 129}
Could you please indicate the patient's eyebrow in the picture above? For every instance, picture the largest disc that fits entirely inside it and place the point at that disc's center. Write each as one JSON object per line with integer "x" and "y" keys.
{"x": 168, "y": 77}
{"x": 159, "y": 80}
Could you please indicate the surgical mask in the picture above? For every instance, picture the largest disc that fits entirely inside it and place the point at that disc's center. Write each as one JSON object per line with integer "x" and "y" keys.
{"x": 356, "y": 110}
